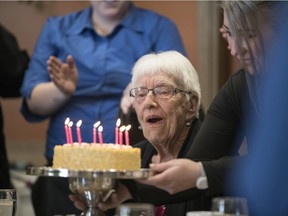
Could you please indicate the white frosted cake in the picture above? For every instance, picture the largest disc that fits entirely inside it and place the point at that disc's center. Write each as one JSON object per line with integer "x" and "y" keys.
{"x": 86, "y": 156}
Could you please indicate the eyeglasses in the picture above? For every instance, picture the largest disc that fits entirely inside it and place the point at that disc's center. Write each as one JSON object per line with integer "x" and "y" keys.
{"x": 161, "y": 92}
{"x": 225, "y": 32}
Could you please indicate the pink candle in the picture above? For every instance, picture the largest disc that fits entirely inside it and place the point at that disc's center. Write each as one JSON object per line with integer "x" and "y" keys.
{"x": 70, "y": 132}
{"x": 78, "y": 124}
{"x": 127, "y": 141}
{"x": 118, "y": 122}
{"x": 95, "y": 130}
{"x": 94, "y": 135}
{"x": 121, "y": 130}
{"x": 67, "y": 130}
{"x": 100, "y": 129}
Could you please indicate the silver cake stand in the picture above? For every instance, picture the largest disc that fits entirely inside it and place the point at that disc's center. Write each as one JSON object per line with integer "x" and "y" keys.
{"x": 90, "y": 186}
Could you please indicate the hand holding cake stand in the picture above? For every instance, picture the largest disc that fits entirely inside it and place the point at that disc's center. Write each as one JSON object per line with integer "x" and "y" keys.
{"x": 91, "y": 186}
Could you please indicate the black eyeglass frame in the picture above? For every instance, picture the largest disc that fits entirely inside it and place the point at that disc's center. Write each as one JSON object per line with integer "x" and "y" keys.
{"x": 174, "y": 92}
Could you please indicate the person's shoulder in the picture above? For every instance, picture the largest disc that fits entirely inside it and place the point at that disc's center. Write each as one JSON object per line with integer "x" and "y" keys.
{"x": 67, "y": 20}
{"x": 234, "y": 91}
{"x": 148, "y": 12}
{"x": 5, "y": 34}
{"x": 239, "y": 74}
{"x": 149, "y": 15}
{"x": 235, "y": 80}
{"x": 238, "y": 79}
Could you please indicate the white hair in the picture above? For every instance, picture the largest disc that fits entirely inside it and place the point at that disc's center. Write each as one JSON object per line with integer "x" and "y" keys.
{"x": 170, "y": 63}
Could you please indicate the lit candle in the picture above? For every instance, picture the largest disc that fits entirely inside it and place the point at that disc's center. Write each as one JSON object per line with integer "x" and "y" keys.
{"x": 118, "y": 122}
{"x": 127, "y": 141}
{"x": 100, "y": 129}
{"x": 70, "y": 132}
{"x": 121, "y": 130}
{"x": 94, "y": 131}
{"x": 67, "y": 130}
{"x": 78, "y": 124}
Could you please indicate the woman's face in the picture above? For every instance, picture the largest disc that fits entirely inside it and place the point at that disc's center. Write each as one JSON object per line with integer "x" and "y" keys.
{"x": 243, "y": 50}
{"x": 162, "y": 120}
{"x": 110, "y": 9}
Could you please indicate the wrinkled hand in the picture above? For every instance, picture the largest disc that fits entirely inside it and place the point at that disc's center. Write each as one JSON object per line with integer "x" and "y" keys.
{"x": 64, "y": 75}
{"x": 126, "y": 100}
{"x": 78, "y": 203}
{"x": 122, "y": 194}
{"x": 175, "y": 175}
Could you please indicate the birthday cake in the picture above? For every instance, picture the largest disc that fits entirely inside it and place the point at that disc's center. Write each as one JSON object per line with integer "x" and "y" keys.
{"x": 86, "y": 156}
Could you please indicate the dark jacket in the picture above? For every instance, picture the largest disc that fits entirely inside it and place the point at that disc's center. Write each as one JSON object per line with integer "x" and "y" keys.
{"x": 13, "y": 63}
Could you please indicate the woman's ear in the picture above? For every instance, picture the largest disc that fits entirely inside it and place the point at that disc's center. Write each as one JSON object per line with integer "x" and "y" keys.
{"x": 191, "y": 107}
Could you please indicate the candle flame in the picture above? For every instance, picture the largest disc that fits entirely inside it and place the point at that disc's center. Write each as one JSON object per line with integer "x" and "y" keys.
{"x": 118, "y": 122}
{"x": 78, "y": 124}
{"x": 100, "y": 129}
{"x": 122, "y": 128}
{"x": 67, "y": 121}
{"x": 70, "y": 124}
{"x": 128, "y": 127}
{"x": 96, "y": 124}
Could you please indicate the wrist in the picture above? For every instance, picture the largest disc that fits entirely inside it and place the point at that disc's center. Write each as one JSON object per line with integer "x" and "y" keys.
{"x": 65, "y": 92}
{"x": 201, "y": 182}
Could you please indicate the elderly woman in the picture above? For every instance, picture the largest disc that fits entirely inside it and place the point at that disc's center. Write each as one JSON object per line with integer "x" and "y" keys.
{"x": 166, "y": 93}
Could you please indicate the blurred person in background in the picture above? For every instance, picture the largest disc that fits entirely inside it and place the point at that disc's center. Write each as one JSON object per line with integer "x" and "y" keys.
{"x": 262, "y": 177}
{"x": 13, "y": 63}
{"x": 89, "y": 56}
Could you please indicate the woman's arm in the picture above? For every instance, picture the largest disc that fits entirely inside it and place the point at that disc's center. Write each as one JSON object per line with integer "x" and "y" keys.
{"x": 48, "y": 97}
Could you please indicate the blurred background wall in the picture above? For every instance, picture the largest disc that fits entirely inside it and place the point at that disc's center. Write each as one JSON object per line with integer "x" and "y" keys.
{"x": 197, "y": 21}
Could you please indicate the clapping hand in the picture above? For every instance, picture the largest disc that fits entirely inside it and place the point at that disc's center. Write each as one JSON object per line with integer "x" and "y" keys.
{"x": 64, "y": 75}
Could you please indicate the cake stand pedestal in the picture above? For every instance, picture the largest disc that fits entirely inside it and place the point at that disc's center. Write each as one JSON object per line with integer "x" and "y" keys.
{"x": 90, "y": 186}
